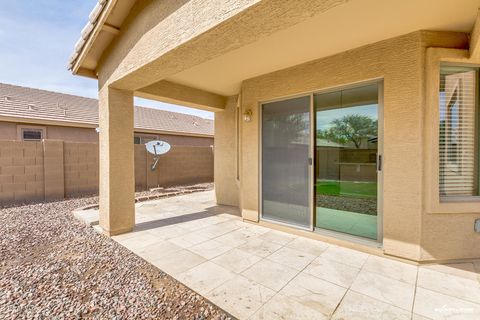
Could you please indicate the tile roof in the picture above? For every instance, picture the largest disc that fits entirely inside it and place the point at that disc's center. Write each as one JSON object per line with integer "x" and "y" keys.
{"x": 87, "y": 31}
{"x": 29, "y": 103}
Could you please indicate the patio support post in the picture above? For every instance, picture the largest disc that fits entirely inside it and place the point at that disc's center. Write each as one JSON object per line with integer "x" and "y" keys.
{"x": 117, "y": 177}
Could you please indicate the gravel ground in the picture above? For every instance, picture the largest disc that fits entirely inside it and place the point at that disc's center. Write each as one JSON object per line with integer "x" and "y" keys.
{"x": 54, "y": 267}
{"x": 360, "y": 205}
{"x": 158, "y": 191}
{"x": 138, "y": 194}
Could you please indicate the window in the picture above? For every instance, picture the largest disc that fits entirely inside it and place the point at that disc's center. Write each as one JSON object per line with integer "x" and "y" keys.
{"x": 32, "y": 134}
{"x": 143, "y": 138}
{"x": 459, "y": 142}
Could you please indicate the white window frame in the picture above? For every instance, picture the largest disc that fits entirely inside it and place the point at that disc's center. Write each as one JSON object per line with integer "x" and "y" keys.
{"x": 22, "y": 128}
{"x": 433, "y": 203}
{"x": 454, "y": 161}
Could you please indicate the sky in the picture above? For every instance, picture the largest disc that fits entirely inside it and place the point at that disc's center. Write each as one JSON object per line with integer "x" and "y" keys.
{"x": 37, "y": 37}
{"x": 325, "y": 118}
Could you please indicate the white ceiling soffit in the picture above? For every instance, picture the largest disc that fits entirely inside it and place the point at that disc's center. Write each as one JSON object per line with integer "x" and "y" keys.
{"x": 350, "y": 25}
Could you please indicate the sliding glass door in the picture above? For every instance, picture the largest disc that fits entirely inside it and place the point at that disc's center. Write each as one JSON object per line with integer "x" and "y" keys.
{"x": 321, "y": 159}
{"x": 346, "y": 161}
{"x": 286, "y": 161}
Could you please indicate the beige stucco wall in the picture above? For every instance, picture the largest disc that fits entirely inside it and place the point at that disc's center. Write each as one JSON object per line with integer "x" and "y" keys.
{"x": 400, "y": 63}
{"x": 186, "y": 140}
{"x": 138, "y": 58}
{"x": 159, "y": 36}
{"x": 226, "y": 189}
{"x": 72, "y": 134}
{"x": 175, "y": 22}
{"x": 9, "y": 131}
{"x": 447, "y": 227}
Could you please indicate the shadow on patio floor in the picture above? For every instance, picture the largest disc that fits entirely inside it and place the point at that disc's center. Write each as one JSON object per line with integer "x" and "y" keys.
{"x": 207, "y": 212}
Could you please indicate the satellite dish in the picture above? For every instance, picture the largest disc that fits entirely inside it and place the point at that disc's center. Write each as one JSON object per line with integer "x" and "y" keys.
{"x": 157, "y": 147}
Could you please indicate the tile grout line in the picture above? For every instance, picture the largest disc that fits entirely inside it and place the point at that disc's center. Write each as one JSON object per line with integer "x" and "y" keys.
{"x": 339, "y": 303}
{"x": 278, "y": 292}
{"x": 351, "y": 290}
{"x": 349, "y": 287}
{"x": 285, "y": 245}
{"x": 189, "y": 231}
{"x": 415, "y": 292}
{"x": 363, "y": 269}
{"x": 210, "y": 260}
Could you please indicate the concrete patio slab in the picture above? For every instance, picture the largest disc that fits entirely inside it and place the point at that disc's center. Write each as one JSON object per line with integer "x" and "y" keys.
{"x": 257, "y": 273}
{"x": 89, "y": 217}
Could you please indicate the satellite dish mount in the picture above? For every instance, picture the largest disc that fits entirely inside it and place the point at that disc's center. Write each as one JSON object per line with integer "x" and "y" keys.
{"x": 157, "y": 148}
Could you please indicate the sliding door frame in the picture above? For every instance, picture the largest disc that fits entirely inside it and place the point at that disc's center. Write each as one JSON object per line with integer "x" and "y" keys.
{"x": 311, "y": 226}
{"x": 312, "y": 155}
{"x": 381, "y": 157}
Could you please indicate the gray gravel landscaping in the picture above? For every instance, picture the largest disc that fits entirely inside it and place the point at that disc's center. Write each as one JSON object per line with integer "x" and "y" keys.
{"x": 54, "y": 267}
{"x": 352, "y": 204}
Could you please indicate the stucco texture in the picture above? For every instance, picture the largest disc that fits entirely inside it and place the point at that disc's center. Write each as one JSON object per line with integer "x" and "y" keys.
{"x": 162, "y": 38}
{"x": 117, "y": 171}
{"x": 400, "y": 63}
{"x": 226, "y": 189}
{"x": 10, "y": 131}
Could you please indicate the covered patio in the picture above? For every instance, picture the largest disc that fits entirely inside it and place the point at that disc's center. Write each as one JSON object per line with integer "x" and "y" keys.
{"x": 254, "y": 272}
{"x": 279, "y": 76}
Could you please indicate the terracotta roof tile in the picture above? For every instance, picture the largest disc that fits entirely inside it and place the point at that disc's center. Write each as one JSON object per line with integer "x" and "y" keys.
{"x": 29, "y": 103}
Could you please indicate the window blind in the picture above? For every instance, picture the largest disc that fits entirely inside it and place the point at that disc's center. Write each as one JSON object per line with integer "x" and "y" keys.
{"x": 458, "y": 132}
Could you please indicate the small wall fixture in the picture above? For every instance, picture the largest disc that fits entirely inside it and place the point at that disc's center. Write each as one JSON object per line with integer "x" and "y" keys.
{"x": 247, "y": 115}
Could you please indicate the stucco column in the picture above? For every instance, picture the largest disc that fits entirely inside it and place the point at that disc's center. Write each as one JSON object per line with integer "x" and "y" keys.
{"x": 117, "y": 174}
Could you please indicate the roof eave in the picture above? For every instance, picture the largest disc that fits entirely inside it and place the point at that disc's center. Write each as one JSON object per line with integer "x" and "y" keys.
{"x": 76, "y": 67}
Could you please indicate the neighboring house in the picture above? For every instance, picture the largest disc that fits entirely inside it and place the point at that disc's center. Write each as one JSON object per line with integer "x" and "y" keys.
{"x": 397, "y": 80}
{"x": 28, "y": 114}
{"x": 49, "y": 146}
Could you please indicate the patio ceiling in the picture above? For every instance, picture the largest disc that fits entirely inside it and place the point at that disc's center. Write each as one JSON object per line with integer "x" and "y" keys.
{"x": 201, "y": 69}
{"x": 343, "y": 27}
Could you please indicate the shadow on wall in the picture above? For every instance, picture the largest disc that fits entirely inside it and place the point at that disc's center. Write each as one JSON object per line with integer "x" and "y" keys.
{"x": 143, "y": 17}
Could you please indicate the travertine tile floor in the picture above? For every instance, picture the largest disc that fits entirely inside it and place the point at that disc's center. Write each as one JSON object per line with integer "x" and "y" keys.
{"x": 258, "y": 273}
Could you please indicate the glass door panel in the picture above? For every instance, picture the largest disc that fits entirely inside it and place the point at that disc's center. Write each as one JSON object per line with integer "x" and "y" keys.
{"x": 346, "y": 149}
{"x": 286, "y": 141}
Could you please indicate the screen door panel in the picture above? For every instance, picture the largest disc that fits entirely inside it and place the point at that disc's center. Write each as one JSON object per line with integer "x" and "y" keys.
{"x": 285, "y": 161}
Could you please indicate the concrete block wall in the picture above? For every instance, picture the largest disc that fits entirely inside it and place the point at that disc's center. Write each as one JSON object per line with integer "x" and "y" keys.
{"x": 81, "y": 168}
{"x": 21, "y": 171}
{"x": 181, "y": 165}
{"x": 55, "y": 169}
{"x": 185, "y": 165}
{"x": 140, "y": 159}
